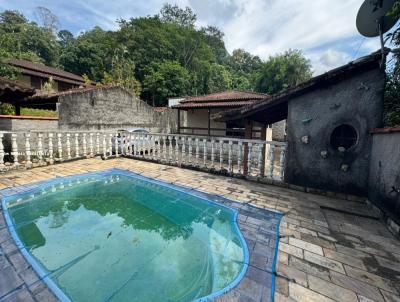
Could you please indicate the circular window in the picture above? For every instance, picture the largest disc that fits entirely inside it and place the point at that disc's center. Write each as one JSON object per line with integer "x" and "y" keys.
{"x": 344, "y": 136}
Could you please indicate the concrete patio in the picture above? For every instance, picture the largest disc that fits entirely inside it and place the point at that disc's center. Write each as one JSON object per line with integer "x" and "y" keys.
{"x": 329, "y": 250}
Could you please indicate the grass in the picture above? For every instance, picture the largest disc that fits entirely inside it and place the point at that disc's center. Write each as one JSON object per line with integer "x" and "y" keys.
{"x": 39, "y": 112}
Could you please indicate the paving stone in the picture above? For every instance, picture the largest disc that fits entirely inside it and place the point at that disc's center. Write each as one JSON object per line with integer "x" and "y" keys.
{"x": 357, "y": 286}
{"x": 19, "y": 262}
{"x": 309, "y": 268}
{"x": 390, "y": 297}
{"x": 46, "y": 296}
{"x": 250, "y": 288}
{"x": 364, "y": 299}
{"x": 282, "y": 285}
{"x": 331, "y": 290}
{"x": 21, "y": 295}
{"x": 9, "y": 280}
{"x": 393, "y": 265}
{"x": 282, "y": 298}
{"x": 306, "y": 246}
{"x": 292, "y": 274}
{"x": 318, "y": 241}
{"x": 300, "y": 294}
{"x": 323, "y": 261}
{"x": 290, "y": 249}
{"x": 343, "y": 258}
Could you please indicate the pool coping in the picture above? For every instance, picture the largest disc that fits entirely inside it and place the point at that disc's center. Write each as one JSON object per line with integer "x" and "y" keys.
{"x": 210, "y": 198}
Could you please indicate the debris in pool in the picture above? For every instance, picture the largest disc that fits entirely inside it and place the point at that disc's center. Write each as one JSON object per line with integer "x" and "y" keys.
{"x": 109, "y": 235}
{"x": 136, "y": 240}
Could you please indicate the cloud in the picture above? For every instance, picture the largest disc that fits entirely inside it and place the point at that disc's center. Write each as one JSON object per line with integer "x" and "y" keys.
{"x": 324, "y": 30}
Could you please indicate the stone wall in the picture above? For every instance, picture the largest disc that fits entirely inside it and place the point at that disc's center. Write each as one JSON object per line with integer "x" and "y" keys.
{"x": 112, "y": 108}
{"x": 279, "y": 131}
{"x": 384, "y": 173}
{"x": 311, "y": 159}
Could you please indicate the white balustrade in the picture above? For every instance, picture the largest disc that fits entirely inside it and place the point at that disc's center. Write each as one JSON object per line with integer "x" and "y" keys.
{"x": 188, "y": 150}
{"x": 76, "y": 145}
{"x": 249, "y": 157}
{"x": 230, "y": 167}
{"x": 221, "y": 154}
{"x": 271, "y": 160}
{"x": 28, "y": 161}
{"x": 59, "y": 147}
{"x": 68, "y": 144}
{"x": 204, "y": 152}
{"x": 1, "y": 151}
{"x": 197, "y": 151}
{"x": 51, "y": 160}
{"x": 91, "y": 154}
{"x": 212, "y": 153}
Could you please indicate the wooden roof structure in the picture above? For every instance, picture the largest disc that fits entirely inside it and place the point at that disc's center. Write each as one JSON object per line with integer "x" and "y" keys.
{"x": 13, "y": 91}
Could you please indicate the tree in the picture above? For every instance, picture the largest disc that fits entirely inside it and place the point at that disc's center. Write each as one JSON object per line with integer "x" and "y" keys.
{"x": 165, "y": 79}
{"x": 175, "y": 14}
{"x": 65, "y": 37}
{"x": 219, "y": 78}
{"x": 48, "y": 20}
{"x": 283, "y": 71}
{"x": 123, "y": 72}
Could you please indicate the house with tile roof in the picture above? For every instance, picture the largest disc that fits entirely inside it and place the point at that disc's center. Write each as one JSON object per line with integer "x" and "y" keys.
{"x": 195, "y": 113}
{"x": 36, "y": 75}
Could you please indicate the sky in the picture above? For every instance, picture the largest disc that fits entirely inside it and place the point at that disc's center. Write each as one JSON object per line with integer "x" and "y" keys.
{"x": 324, "y": 30}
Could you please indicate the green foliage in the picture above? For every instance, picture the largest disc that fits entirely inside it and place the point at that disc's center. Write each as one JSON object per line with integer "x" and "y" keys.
{"x": 49, "y": 85}
{"x": 392, "y": 100}
{"x": 283, "y": 71}
{"x": 7, "y": 109}
{"x": 175, "y": 14}
{"x": 165, "y": 54}
{"x": 164, "y": 79}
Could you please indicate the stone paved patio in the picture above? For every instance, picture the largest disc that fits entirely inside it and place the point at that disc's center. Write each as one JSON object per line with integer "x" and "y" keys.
{"x": 325, "y": 252}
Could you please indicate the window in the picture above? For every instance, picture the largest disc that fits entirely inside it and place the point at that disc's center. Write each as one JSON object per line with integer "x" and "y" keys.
{"x": 344, "y": 136}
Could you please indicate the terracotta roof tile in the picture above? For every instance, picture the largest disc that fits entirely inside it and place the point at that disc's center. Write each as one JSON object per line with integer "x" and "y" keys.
{"x": 45, "y": 70}
{"x": 229, "y": 95}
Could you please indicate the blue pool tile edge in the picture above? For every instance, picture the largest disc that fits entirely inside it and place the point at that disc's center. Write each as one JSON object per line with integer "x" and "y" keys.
{"x": 210, "y": 198}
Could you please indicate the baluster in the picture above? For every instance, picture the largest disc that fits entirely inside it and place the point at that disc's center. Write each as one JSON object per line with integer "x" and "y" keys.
{"x": 260, "y": 161}
{"x": 1, "y": 151}
{"x": 84, "y": 144}
{"x": 91, "y": 144}
{"x": 171, "y": 155}
{"x": 40, "y": 148}
{"x": 51, "y": 160}
{"x": 205, "y": 152}
{"x": 59, "y": 146}
{"x": 177, "y": 161}
{"x": 127, "y": 144}
{"x": 117, "y": 144}
{"x": 249, "y": 158}
{"x": 68, "y": 146}
{"x": 183, "y": 150}
{"x": 271, "y": 159}
{"x": 139, "y": 145}
{"x": 28, "y": 162}
{"x": 221, "y": 154}
{"x": 14, "y": 149}
{"x": 282, "y": 162}
{"x": 97, "y": 143}
{"x": 110, "y": 138}
{"x": 197, "y": 152}
{"x": 230, "y": 168}
{"x": 240, "y": 145}
{"x": 190, "y": 151}
{"x": 76, "y": 145}
{"x": 159, "y": 157}
{"x": 104, "y": 146}
{"x": 212, "y": 153}
{"x": 165, "y": 148}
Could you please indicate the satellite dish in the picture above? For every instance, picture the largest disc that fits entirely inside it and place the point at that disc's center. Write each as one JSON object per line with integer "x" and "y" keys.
{"x": 372, "y": 20}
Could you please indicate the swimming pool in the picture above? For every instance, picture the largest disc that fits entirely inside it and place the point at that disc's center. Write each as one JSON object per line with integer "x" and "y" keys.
{"x": 117, "y": 236}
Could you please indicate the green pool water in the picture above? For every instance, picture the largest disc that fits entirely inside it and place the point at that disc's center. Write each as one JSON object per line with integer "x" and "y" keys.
{"x": 117, "y": 238}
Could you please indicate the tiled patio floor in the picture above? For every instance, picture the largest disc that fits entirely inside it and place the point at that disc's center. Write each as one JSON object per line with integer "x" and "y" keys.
{"x": 324, "y": 255}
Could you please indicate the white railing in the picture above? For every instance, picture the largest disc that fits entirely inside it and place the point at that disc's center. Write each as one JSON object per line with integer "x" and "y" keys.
{"x": 251, "y": 158}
